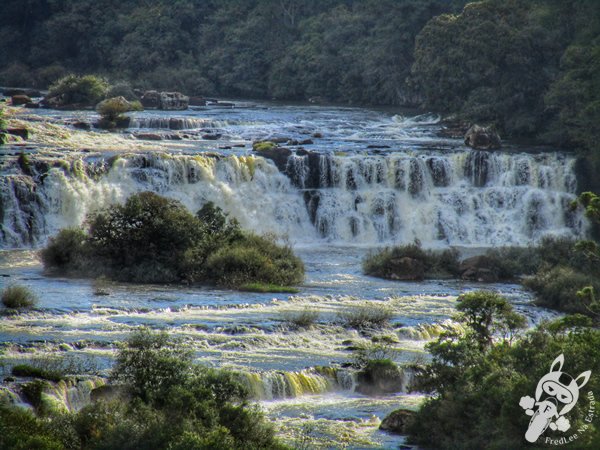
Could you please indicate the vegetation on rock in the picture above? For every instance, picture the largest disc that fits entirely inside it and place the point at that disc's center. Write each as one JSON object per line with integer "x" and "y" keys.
{"x": 18, "y": 297}
{"x": 152, "y": 239}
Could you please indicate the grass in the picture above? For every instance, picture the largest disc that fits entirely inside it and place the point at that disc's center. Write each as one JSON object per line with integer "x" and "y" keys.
{"x": 267, "y": 287}
{"x": 305, "y": 318}
{"x": 18, "y": 297}
{"x": 368, "y": 316}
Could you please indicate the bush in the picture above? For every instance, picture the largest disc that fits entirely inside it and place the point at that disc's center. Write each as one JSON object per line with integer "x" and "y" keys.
{"x": 85, "y": 90}
{"x": 18, "y": 297}
{"x": 304, "y": 318}
{"x": 389, "y": 263}
{"x": 27, "y": 370}
{"x": 380, "y": 376}
{"x": 369, "y": 315}
{"x": 112, "y": 110}
{"x": 66, "y": 251}
{"x": 152, "y": 239}
{"x": 557, "y": 288}
{"x": 255, "y": 259}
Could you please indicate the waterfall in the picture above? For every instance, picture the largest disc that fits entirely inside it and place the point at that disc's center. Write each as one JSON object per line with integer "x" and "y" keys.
{"x": 467, "y": 198}
{"x": 174, "y": 123}
{"x": 279, "y": 385}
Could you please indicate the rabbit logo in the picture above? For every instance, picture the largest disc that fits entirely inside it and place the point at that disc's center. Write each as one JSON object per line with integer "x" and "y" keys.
{"x": 556, "y": 394}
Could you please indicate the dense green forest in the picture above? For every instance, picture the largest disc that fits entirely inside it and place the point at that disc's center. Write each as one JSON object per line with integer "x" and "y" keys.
{"x": 526, "y": 66}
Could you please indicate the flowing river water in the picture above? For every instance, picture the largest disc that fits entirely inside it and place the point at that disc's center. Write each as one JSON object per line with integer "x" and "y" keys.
{"x": 362, "y": 179}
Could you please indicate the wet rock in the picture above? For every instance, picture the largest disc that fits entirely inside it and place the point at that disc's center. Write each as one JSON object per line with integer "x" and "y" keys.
{"x": 81, "y": 125}
{"x": 317, "y": 135}
{"x": 306, "y": 142}
{"x": 211, "y": 137}
{"x": 380, "y": 377}
{"x": 478, "y": 268}
{"x": 377, "y": 146}
{"x": 482, "y": 138}
{"x": 405, "y": 269}
{"x": 168, "y": 101}
{"x": 18, "y": 100}
{"x": 197, "y": 101}
{"x": 279, "y": 155}
{"x": 22, "y": 132}
{"x": 397, "y": 421}
{"x": 32, "y": 105}
{"x": 149, "y": 136}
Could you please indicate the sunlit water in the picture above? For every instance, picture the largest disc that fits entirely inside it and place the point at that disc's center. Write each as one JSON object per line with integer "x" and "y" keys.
{"x": 248, "y": 331}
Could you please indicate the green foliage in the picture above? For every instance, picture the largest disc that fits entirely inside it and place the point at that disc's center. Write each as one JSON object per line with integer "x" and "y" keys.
{"x": 27, "y": 370}
{"x": 151, "y": 364}
{"x": 18, "y": 297}
{"x": 255, "y": 259}
{"x": 379, "y": 376}
{"x": 262, "y": 146}
{"x": 477, "y": 389}
{"x": 367, "y": 316}
{"x": 265, "y": 287}
{"x": 488, "y": 313}
{"x": 435, "y": 264}
{"x": 152, "y": 239}
{"x": 112, "y": 110}
{"x": 85, "y": 90}
{"x": 21, "y": 430}
{"x": 304, "y": 318}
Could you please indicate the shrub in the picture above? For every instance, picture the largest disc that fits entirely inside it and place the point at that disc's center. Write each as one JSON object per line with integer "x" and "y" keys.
{"x": 85, "y": 90}
{"x": 27, "y": 370}
{"x": 18, "y": 297}
{"x": 369, "y": 315}
{"x": 66, "y": 250}
{"x": 557, "y": 288}
{"x": 304, "y": 318}
{"x": 157, "y": 240}
{"x": 431, "y": 264}
{"x": 112, "y": 110}
{"x": 262, "y": 146}
{"x": 255, "y": 259}
{"x": 380, "y": 376}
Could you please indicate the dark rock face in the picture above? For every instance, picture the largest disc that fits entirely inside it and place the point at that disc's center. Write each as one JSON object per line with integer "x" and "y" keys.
{"x": 18, "y": 100}
{"x": 482, "y": 138}
{"x": 396, "y": 422}
{"x": 406, "y": 269}
{"x": 279, "y": 155}
{"x": 20, "y": 131}
{"x": 149, "y": 136}
{"x": 168, "y": 101}
{"x": 197, "y": 101}
{"x": 478, "y": 268}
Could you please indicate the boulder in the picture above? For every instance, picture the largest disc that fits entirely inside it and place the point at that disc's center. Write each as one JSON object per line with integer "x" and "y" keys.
{"x": 150, "y": 99}
{"x": 22, "y": 132}
{"x": 197, "y": 101}
{"x": 396, "y": 422}
{"x": 168, "y": 101}
{"x": 32, "y": 105}
{"x": 211, "y": 136}
{"x": 279, "y": 155}
{"x": 406, "y": 269}
{"x": 478, "y": 268}
{"x": 149, "y": 136}
{"x": 18, "y": 100}
{"x": 482, "y": 138}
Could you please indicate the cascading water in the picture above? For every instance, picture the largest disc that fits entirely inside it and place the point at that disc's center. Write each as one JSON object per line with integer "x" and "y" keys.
{"x": 467, "y": 198}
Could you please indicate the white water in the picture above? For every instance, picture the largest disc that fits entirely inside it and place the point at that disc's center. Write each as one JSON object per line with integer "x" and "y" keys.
{"x": 334, "y": 206}
{"x": 459, "y": 198}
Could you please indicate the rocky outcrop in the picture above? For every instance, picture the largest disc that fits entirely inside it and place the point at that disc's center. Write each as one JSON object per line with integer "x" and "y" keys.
{"x": 18, "y": 100}
{"x": 168, "y": 101}
{"x": 22, "y": 132}
{"x": 397, "y": 421}
{"x": 269, "y": 150}
{"x": 380, "y": 377}
{"x": 482, "y": 138}
{"x": 478, "y": 268}
{"x": 406, "y": 269}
